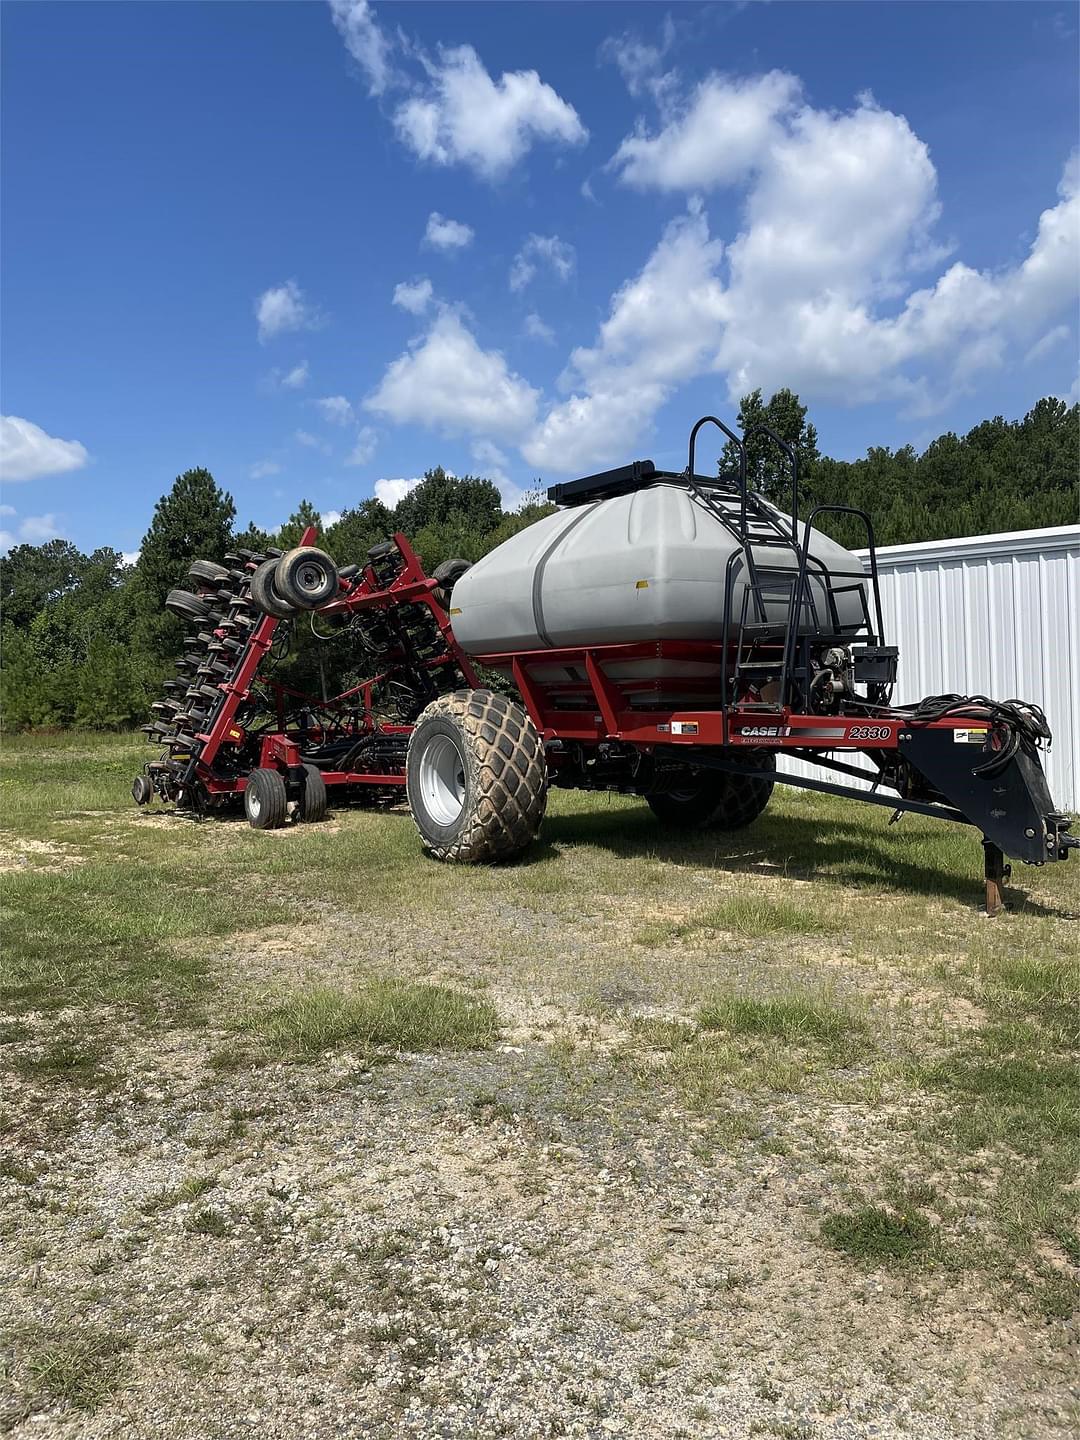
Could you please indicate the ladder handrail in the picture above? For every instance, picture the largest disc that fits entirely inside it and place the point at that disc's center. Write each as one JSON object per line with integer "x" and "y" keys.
{"x": 691, "y": 472}
{"x": 789, "y": 451}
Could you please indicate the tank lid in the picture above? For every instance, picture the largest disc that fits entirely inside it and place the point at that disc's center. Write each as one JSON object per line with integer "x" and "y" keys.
{"x": 609, "y": 482}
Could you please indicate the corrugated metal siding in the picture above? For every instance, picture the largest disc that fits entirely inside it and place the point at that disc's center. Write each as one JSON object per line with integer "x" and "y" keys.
{"x": 995, "y": 615}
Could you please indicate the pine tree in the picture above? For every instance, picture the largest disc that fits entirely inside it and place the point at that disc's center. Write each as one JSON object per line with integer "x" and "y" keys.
{"x": 194, "y": 521}
{"x": 304, "y": 515}
{"x": 767, "y": 467}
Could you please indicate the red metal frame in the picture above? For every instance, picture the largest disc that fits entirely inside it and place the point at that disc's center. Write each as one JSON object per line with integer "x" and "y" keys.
{"x": 612, "y": 717}
{"x": 281, "y": 749}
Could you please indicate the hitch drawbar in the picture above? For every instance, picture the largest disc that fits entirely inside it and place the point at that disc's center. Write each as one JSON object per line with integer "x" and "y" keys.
{"x": 1004, "y": 794}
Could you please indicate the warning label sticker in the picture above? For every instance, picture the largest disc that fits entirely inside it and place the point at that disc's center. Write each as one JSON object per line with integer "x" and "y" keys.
{"x": 684, "y": 727}
{"x": 970, "y": 737}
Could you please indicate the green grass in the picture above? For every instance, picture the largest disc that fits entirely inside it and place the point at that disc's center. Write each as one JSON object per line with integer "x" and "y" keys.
{"x": 194, "y": 1188}
{"x": 384, "y": 1015}
{"x": 745, "y": 915}
{"x": 874, "y": 1235}
{"x": 794, "y": 1019}
{"x": 80, "y": 1366}
{"x": 69, "y": 1061}
{"x": 207, "y": 1221}
{"x": 114, "y": 931}
{"x": 742, "y": 1043}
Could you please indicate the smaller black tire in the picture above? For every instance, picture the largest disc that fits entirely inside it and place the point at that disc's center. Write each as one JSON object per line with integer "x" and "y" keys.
{"x": 314, "y": 806}
{"x": 306, "y": 577}
{"x": 265, "y": 593}
{"x": 716, "y": 799}
{"x": 142, "y": 792}
{"x": 265, "y": 800}
{"x": 186, "y": 605}
{"x": 448, "y": 574}
{"x": 207, "y": 572}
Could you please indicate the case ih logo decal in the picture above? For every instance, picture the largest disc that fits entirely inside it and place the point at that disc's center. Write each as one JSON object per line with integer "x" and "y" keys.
{"x": 766, "y": 732}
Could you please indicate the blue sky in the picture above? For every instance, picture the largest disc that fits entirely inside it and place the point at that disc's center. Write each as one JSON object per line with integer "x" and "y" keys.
{"x": 318, "y": 248}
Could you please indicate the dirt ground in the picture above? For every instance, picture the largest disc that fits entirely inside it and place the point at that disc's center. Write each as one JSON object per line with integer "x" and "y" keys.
{"x": 609, "y": 1216}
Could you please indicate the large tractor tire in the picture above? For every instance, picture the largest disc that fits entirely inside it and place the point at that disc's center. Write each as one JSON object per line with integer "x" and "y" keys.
{"x": 476, "y": 778}
{"x": 713, "y": 800}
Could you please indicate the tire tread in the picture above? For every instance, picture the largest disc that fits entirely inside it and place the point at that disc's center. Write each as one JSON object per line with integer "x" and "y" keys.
{"x": 507, "y": 757}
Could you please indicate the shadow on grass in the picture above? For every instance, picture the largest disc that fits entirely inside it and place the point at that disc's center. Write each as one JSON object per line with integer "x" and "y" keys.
{"x": 807, "y": 847}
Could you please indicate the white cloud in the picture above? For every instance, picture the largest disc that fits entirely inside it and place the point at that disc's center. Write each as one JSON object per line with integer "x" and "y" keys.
{"x": 7, "y": 509}
{"x": 367, "y": 440}
{"x": 659, "y": 332}
{"x": 311, "y": 442}
{"x": 336, "y": 409}
{"x": 414, "y": 295}
{"x": 861, "y": 189}
{"x": 391, "y": 491}
{"x": 537, "y": 329}
{"x": 264, "y": 468}
{"x": 1048, "y": 342}
{"x": 462, "y": 116}
{"x": 365, "y": 42}
{"x": 130, "y": 557}
{"x": 488, "y": 455}
{"x": 7, "y": 540}
{"x": 815, "y": 292}
{"x": 454, "y": 112}
{"x": 328, "y": 518}
{"x": 640, "y": 63}
{"x": 492, "y": 464}
{"x": 296, "y": 378}
{"x": 726, "y": 129}
{"x": 448, "y": 381}
{"x": 282, "y": 308}
{"x": 27, "y": 452}
{"x": 36, "y": 529}
{"x": 443, "y": 234}
{"x": 557, "y": 255}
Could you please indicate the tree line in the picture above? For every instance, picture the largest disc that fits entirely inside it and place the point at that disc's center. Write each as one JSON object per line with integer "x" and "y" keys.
{"x": 85, "y": 640}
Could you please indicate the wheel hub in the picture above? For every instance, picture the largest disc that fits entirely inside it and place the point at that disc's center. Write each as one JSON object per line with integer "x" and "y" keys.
{"x": 442, "y": 780}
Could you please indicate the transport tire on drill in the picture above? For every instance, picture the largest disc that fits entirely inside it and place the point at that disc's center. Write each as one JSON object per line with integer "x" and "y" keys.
{"x": 306, "y": 577}
{"x": 314, "y": 806}
{"x": 448, "y": 574}
{"x": 475, "y": 777}
{"x": 265, "y": 593}
{"x": 713, "y": 800}
{"x": 265, "y": 800}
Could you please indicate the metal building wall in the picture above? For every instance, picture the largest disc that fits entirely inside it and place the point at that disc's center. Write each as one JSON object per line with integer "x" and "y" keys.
{"x": 995, "y": 615}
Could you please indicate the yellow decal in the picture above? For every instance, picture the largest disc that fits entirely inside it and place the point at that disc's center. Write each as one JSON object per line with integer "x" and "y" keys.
{"x": 455, "y": 612}
{"x": 642, "y": 585}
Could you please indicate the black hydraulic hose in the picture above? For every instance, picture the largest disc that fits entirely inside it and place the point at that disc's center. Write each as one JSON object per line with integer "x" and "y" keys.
{"x": 1021, "y": 720}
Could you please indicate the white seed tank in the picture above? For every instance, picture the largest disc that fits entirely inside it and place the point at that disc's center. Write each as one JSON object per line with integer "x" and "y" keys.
{"x": 645, "y": 566}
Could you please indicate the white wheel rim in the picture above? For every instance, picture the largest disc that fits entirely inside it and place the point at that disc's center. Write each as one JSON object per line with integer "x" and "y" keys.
{"x": 442, "y": 780}
{"x": 254, "y": 804}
